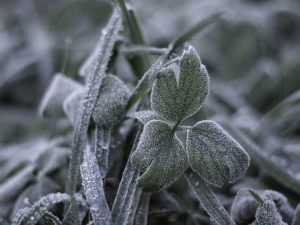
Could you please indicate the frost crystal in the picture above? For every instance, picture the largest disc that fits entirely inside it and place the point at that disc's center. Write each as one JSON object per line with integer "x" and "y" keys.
{"x": 174, "y": 100}
{"x": 160, "y": 156}
{"x": 214, "y": 155}
{"x": 111, "y": 101}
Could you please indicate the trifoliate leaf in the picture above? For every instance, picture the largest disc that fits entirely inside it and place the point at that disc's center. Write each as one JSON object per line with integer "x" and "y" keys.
{"x": 111, "y": 102}
{"x": 160, "y": 156}
{"x": 174, "y": 100}
{"x": 145, "y": 116}
{"x": 214, "y": 154}
{"x": 267, "y": 214}
{"x": 72, "y": 105}
{"x": 59, "y": 89}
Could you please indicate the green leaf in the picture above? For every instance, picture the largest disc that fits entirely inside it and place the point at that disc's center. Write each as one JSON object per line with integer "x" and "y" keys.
{"x": 214, "y": 154}
{"x": 145, "y": 116}
{"x": 160, "y": 156}
{"x": 174, "y": 100}
{"x": 59, "y": 89}
{"x": 111, "y": 102}
{"x": 267, "y": 214}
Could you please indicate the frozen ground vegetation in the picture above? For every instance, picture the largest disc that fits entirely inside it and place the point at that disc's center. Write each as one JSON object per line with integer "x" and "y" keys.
{"x": 142, "y": 130}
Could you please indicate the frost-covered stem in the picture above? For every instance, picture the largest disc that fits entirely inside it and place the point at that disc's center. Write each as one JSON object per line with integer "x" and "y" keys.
{"x": 126, "y": 190}
{"x": 138, "y": 63}
{"x": 208, "y": 199}
{"x": 264, "y": 162}
{"x": 134, "y": 206}
{"x": 141, "y": 216}
{"x": 102, "y": 141}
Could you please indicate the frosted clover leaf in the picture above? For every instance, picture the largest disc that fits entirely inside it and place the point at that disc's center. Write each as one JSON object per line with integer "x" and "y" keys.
{"x": 210, "y": 151}
{"x": 160, "y": 156}
{"x": 214, "y": 155}
{"x": 174, "y": 100}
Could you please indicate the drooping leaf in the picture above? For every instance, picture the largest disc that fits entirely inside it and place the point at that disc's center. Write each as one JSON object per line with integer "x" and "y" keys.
{"x": 59, "y": 89}
{"x": 208, "y": 200}
{"x": 267, "y": 214}
{"x": 160, "y": 156}
{"x": 145, "y": 116}
{"x": 72, "y": 105}
{"x": 174, "y": 100}
{"x": 111, "y": 102}
{"x": 94, "y": 190}
{"x": 214, "y": 154}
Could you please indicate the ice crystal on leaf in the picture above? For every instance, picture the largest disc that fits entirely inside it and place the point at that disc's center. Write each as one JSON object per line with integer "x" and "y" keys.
{"x": 160, "y": 156}
{"x": 214, "y": 154}
{"x": 174, "y": 100}
{"x": 267, "y": 214}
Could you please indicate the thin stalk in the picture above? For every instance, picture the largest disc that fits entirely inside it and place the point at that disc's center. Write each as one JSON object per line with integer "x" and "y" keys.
{"x": 134, "y": 206}
{"x": 126, "y": 191}
{"x": 140, "y": 49}
{"x": 264, "y": 163}
{"x": 208, "y": 199}
{"x": 141, "y": 216}
{"x": 187, "y": 35}
{"x": 102, "y": 141}
{"x": 139, "y": 63}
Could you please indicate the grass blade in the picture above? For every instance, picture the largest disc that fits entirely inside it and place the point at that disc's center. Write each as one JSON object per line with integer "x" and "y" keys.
{"x": 208, "y": 199}
{"x": 127, "y": 187}
{"x": 94, "y": 190}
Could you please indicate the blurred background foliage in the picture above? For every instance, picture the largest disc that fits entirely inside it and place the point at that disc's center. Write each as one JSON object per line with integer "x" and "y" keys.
{"x": 252, "y": 55}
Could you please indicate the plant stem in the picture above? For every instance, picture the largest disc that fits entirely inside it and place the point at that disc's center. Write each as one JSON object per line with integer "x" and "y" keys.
{"x": 139, "y": 63}
{"x": 141, "y": 216}
{"x": 126, "y": 191}
{"x": 102, "y": 141}
{"x": 208, "y": 199}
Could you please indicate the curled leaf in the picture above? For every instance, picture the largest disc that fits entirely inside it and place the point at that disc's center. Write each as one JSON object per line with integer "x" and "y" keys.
{"x": 59, "y": 89}
{"x": 174, "y": 100}
{"x": 160, "y": 156}
{"x": 111, "y": 102}
{"x": 267, "y": 214}
{"x": 214, "y": 154}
